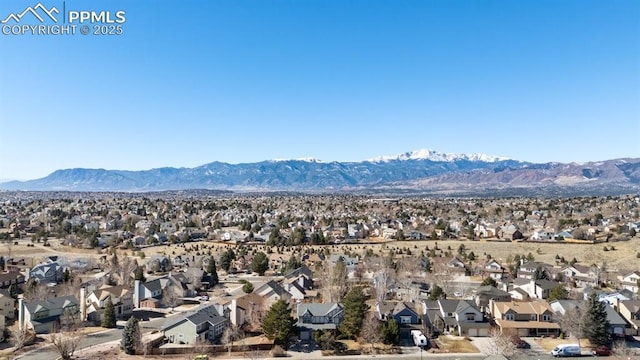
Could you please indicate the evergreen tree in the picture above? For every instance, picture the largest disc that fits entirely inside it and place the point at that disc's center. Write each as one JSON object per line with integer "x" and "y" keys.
{"x": 278, "y": 324}
{"x": 558, "y": 293}
{"x": 436, "y": 293}
{"x": 489, "y": 281}
{"x": 260, "y": 263}
{"x": 594, "y": 321}
{"x": 355, "y": 310}
{"x": 109, "y": 316}
{"x": 226, "y": 258}
{"x": 213, "y": 272}
{"x": 391, "y": 332}
{"x": 139, "y": 274}
{"x": 540, "y": 274}
{"x": 131, "y": 336}
{"x": 2, "y": 263}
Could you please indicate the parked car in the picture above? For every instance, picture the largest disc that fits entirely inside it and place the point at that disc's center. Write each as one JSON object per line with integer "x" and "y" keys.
{"x": 601, "y": 350}
{"x": 564, "y": 350}
{"x": 522, "y": 344}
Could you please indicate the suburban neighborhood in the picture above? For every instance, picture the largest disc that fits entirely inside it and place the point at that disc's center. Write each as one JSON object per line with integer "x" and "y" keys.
{"x": 263, "y": 276}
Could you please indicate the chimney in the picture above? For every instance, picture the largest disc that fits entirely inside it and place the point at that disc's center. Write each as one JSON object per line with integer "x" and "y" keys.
{"x": 136, "y": 294}
{"x": 233, "y": 309}
{"x": 83, "y": 304}
{"x": 20, "y": 313}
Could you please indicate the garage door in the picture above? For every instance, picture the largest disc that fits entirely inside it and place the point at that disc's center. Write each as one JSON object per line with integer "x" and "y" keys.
{"x": 483, "y": 332}
{"x": 473, "y": 332}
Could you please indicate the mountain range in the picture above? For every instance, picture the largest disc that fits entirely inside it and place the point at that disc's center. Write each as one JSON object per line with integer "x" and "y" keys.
{"x": 420, "y": 171}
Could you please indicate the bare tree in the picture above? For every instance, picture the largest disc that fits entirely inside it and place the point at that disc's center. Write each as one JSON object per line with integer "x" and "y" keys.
{"x": 501, "y": 343}
{"x": 170, "y": 296}
{"x": 622, "y": 350}
{"x": 571, "y": 322}
{"x": 254, "y": 316}
{"x": 65, "y": 343}
{"x": 35, "y": 291}
{"x": 194, "y": 275}
{"x": 20, "y": 337}
{"x": 384, "y": 276}
{"x": 66, "y": 338}
{"x": 371, "y": 332}
{"x": 231, "y": 333}
{"x": 334, "y": 280}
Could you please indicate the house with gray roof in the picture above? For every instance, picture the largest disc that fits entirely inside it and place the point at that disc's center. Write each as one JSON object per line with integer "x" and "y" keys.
{"x": 617, "y": 324}
{"x": 207, "y": 322}
{"x": 312, "y": 317}
{"x": 44, "y": 316}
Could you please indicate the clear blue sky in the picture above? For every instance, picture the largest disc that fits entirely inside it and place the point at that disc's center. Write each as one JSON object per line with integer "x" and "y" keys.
{"x": 191, "y": 82}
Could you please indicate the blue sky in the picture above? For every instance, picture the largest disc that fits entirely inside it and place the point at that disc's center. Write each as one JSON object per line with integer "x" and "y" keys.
{"x": 191, "y": 82}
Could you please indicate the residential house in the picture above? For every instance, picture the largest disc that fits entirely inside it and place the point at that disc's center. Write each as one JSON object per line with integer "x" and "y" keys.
{"x": 46, "y": 273}
{"x": 543, "y": 235}
{"x": 405, "y": 313}
{"x": 630, "y": 280}
{"x": 527, "y": 318}
{"x": 617, "y": 323}
{"x": 459, "y": 316}
{"x": 272, "y": 292}
{"x": 535, "y": 289}
{"x": 158, "y": 263}
{"x": 150, "y": 293}
{"x": 207, "y": 322}
{"x": 510, "y": 232}
{"x": 582, "y": 275}
{"x": 7, "y": 305}
{"x": 95, "y": 301}
{"x": 484, "y": 294}
{"x": 528, "y": 269}
{"x": 349, "y": 262}
{"x": 11, "y": 278}
{"x": 247, "y": 309}
{"x": 494, "y": 270}
{"x": 630, "y": 311}
{"x": 312, "y": 317}
{"x": 471, "y": 321}
{"x": 484, "y": 231}
{"x": 44, "y": 316}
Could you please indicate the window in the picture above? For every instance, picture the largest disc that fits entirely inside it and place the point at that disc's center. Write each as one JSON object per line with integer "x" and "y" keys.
{"x": 470, "y": 317}
{"x": 546, "y": 317}
{"x": 533, "y": 317}
{"x": 405, "y": 319}
{"x": 509, "y": 317}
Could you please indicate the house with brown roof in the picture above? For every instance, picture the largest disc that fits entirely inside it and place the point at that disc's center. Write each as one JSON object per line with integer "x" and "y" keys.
{"x": 11, "y": 278}
{"x": 94, "y": 303}
{"x": 527, "y": 318}
{"x": 247, "y": 310}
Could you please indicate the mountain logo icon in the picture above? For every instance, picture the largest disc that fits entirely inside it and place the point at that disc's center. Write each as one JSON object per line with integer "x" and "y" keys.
{"x": 35, "y": 12}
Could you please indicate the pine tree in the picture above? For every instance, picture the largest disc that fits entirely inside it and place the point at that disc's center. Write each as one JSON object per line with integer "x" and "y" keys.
{"x": 139, "y": 274}
{"x": 391, "y": 332}
{"x": 260, "y": 263}
{"x": 131, "y": 336}
{"x": 355, "y": 310}
{"x": 594, "y": 322}
{"x": 278, "y": 325}
{"x": 540, "y": 274}
{"x": 109, "y": 316}
{"x": 213, "y": 273}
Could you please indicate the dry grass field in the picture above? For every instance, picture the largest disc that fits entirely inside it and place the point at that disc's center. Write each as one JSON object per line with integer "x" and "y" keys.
{"x": 623, "y": 257}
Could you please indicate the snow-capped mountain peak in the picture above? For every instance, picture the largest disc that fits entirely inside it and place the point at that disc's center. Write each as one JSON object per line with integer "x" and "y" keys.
{"x": 432, "y": 155}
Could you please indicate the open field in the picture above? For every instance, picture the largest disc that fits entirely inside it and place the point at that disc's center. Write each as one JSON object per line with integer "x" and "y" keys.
{"x": 623, "y": 257}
